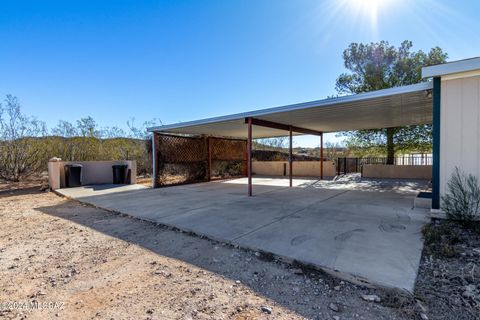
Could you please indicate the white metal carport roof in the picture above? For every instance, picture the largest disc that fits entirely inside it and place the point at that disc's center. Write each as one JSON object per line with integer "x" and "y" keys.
{"x": 394, "y": 107}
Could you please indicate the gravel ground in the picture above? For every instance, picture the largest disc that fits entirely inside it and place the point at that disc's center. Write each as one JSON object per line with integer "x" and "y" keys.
{"x": 448, "y": 283}
{"x": 67, "y": 260}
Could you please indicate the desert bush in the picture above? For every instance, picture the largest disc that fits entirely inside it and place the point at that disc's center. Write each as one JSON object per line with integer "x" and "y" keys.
{"x": 440, "y": 240}
{"x": 21, "y": 148}
{"x": 462, "y": 200}
{"x": 26, "y": 146}
{"x": 226, "y": 169}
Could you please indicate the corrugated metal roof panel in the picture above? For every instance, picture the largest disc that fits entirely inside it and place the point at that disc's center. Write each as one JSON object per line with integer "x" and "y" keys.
{"x": 408, "y": 105}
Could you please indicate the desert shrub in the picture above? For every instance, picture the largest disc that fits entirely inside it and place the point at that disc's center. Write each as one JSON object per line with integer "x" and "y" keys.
{"x": 440, "y": 240}
{"x": 26, "y": 144}
{"x": 462, "y": 200}
{"x": 21, "y": 145}
{"x": 227, "y": 169}
{"x": 179, "y": 173}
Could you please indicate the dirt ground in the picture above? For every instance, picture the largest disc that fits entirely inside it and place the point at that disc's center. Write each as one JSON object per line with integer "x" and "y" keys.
{"x": 449, "y": 276}
{"x": 78, "y": 262}
{"x": 145, "y": 181}
{"x": 61, "y": 259}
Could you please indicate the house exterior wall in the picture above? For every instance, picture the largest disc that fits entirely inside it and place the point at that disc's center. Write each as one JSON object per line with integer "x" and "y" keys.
{"x": 300, "y": 168}
{"x": 459, "y": 125}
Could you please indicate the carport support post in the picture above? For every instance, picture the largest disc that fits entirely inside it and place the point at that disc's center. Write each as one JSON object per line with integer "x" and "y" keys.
{"x": 321, "y": 156}
{"x": 436, "y": 144}
{"x": 209, "y": 159}
{"x": 154, "y": 160}
{"x": 249, "y": 147}
{"x": 290, "y": 158}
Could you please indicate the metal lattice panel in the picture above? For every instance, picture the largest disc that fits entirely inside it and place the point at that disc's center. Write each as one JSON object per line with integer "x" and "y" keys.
{"x": 223, "y": 149}
{"x": 182, "y": 159}
{"x": 177, "y": 149}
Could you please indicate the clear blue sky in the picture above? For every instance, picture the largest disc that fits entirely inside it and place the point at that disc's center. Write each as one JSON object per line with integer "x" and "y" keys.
{"x": 185, "y": 60}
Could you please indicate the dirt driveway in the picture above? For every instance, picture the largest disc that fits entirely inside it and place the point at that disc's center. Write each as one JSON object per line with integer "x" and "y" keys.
{"x": 59, "y": 258}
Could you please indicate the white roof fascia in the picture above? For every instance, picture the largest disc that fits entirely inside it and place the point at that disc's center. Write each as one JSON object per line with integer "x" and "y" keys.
{"x": 451, "y": 67}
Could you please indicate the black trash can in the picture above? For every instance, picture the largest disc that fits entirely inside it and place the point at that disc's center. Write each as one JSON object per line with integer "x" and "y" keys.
{"x": 73, "y": 175}
{"x": 119, "y": 173}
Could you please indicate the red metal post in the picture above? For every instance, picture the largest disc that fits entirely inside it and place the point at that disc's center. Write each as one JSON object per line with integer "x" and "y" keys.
{"x": 154, "y": 160}
{"x": 290, "y": 158}
{"x": 209, "y": 165}
{"x": 249, "y": 143}
{"x": 245, "y": 159}
{"x": 321, "y": 156}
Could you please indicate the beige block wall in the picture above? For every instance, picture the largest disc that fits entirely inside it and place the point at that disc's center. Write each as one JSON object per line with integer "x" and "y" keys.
{"x": 459, "y": 126}
{"x": 300, "y": 168}
{"x": 93, "y": 172}
{"x": 382, "y": 171}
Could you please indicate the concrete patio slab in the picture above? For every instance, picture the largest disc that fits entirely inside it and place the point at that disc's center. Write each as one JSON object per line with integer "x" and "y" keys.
{"x": 362, "y": 230}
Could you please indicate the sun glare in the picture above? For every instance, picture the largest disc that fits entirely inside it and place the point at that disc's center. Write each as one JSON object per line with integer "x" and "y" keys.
{"x": 369, "y": 9}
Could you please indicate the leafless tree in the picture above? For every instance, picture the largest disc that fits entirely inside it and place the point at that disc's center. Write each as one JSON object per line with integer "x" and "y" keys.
{"x": 25, "y": 147}
{"x": 20, "y": 136}
{"x": 271, "y": 143}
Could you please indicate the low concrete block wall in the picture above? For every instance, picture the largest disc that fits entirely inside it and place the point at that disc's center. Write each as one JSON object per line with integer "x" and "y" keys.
{"x": 398, "y": 172}
{"x": 93, "y": 172}
{"x": 300, "y": 168}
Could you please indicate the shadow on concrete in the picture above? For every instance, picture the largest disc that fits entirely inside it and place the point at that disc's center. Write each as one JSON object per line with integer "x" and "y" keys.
{"x": 356, "y": 182}
{"x": 98, "y": 187}
{"x": 353, "y": 181}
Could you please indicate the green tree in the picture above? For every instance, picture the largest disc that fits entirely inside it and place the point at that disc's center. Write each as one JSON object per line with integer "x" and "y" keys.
{"x": 376, "y": 66}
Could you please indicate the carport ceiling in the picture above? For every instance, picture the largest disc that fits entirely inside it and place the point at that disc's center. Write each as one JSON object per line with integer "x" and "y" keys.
{"x": 401, "y": 106}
